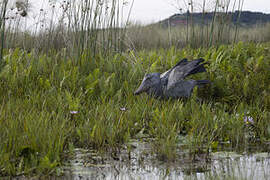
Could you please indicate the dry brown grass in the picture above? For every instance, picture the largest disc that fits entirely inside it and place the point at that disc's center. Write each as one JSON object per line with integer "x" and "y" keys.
{"x": 154, "y": 36}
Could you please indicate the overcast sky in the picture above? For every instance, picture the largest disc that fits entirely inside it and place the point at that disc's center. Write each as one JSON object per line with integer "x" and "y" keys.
{"x": 154, "y": 10}
{"x": 147, "y": 11}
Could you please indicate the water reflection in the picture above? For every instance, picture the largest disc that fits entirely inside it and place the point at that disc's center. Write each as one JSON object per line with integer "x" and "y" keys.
{"x": 140, "y": 163}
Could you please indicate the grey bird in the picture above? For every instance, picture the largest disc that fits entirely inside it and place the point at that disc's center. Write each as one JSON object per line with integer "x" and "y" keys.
{"x": 172, "y": 83}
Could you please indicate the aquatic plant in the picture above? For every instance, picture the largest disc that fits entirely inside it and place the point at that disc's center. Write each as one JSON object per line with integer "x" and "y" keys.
{"x": 51, "y": 104}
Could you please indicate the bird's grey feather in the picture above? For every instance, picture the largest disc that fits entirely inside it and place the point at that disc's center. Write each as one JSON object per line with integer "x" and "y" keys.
{"x": 167, "y": 73}
{"x": 178, "y": 73}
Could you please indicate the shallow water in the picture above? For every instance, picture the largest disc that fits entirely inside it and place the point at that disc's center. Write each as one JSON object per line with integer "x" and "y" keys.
{"x": 140, "y": 163}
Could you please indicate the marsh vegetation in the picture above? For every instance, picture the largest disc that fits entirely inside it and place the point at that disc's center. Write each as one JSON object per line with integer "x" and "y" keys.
{"x": 67, "y": 88}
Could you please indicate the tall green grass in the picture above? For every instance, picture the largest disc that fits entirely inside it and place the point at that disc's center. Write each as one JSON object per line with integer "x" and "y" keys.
{"x": 39, "y": 91}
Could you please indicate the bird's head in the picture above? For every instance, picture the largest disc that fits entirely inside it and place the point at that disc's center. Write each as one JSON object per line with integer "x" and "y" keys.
{"x": 149, "y": 81}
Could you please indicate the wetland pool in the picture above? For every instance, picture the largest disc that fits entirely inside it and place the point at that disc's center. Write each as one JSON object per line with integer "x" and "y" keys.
{"x": 141, "y": 163}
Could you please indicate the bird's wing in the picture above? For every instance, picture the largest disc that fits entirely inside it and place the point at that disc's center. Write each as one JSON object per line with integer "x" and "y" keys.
{"x": 165, "y": 75}
{"x": 180, "y": 72}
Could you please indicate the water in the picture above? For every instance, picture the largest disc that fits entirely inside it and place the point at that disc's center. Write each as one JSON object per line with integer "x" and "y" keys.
{"x": 141, "y": 163}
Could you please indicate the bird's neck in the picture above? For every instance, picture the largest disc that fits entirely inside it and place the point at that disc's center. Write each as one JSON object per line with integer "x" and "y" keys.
{"x": 156, "y": 90}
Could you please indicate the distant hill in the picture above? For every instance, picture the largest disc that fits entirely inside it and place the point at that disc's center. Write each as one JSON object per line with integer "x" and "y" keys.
{"x": 246, "y": 18}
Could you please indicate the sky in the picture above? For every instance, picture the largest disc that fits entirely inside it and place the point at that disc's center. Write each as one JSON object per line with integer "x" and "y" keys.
{"x": 148, "y": 11}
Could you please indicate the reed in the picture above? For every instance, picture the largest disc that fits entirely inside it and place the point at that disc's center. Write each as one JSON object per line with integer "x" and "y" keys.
{"x": 96, "y": 27}
{"x": 100, "y": 27}
{"x": 2, "y": 27}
